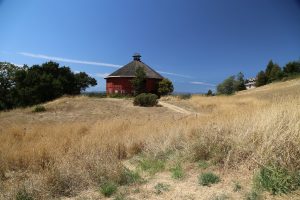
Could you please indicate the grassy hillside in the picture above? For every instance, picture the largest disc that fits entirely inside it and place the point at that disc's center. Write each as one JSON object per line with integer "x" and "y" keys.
{"x": 81, "y": 146}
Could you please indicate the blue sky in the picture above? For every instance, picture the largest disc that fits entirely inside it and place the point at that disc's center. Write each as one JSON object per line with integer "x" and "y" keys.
{"x": 195, "y": 43}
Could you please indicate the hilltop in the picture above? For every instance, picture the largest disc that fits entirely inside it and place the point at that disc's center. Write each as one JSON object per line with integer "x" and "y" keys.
{"x": 81, "y": 144}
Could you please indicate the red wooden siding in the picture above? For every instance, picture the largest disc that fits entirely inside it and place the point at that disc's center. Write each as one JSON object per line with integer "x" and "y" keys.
{"x": 123, "y": 85}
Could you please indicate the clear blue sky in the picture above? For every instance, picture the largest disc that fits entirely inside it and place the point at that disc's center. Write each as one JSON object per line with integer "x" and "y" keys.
{"x": 198, "y": 42}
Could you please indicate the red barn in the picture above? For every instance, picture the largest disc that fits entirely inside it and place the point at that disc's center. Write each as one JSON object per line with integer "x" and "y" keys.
{"x": 120, "y": 80}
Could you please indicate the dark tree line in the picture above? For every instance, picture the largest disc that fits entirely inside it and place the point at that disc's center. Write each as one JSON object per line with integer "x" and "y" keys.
{"x": 274, "y": 72}
{"x": 25, "y": 86}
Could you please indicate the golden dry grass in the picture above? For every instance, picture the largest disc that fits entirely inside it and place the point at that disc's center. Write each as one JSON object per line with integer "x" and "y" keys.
{"x": 81, "y": 142}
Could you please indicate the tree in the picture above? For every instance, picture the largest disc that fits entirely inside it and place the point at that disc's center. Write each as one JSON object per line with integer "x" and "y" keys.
{"x": 209, "y": 93}
{"x": 227, "y": 86}
{"x": 165, "y": 87}
{"x": 239, "y": 83}
{"x": 7, "y": 85}
{"x": 261, "y": 79}
{"x": 39, "y": 83}
{"x": 139, "y": 82}
{"x": 275, "y": 74}
{"x": 269, "y": 69}
{"x": 292, "y": 68}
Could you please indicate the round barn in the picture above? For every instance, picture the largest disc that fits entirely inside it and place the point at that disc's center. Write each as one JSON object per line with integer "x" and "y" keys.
{"x": 120, "y": 80}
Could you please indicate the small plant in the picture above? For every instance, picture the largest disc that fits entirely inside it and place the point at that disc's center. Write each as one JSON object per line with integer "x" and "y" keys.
{"x": 22, "y": 194}
{"x": 145, "y": 100}
{"x": 206, "y": 179}
{"x": 130, "y": 177}
{"x": 152, "y": 165}
{"x": 39, "y": 108}
{"x": 276, "y": 180}
{"x": 253, "y": 195}
{"x": 108, "y": 188}
{"x": 177, "y": 172}
{"x": 237, "y": 187}
{"x": 203, "y": 164}
{"x": 161, "y": 187}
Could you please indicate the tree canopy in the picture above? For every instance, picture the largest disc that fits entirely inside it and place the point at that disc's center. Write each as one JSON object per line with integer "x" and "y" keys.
{"x": 165, "y": 87}
{"x": 232, "y": 84}
{"x": 24, "y": 86}
{"x": 139, "y": 82}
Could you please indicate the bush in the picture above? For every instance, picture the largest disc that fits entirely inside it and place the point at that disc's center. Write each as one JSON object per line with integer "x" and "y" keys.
{"x": 108, "y": 188}
{"x": 152, "y": 165}
{"x": 22, "y": 194}
{"x": 129, "y": 177}
{"x": 206, "y": 179}
{"x": 146, "y": 100}
{"x": 177, "y": 172}
{"x": 39, "y": 108}
{"x": 277, "y": 180}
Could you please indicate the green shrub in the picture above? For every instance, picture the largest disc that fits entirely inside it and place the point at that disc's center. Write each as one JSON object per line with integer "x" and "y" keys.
{"x": 152, "y": 165}
{"x": 22, "y": 194}
{"x": 129, "y": 177}
{"x": 177, "y": 172}
{"x": 206, "y": 179}
{"x": 146, "y": 100}
{"x": 161, "y": 187}
{"x": 39, "y": 108}
{"x": 276, "y": 180}
{"x": 108, "y": 188}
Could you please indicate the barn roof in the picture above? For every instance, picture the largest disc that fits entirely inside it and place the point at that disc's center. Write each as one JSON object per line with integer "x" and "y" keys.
{"x": 129, "y": 69}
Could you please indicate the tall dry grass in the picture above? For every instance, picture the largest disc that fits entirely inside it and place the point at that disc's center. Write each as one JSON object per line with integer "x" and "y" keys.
{"x": 53, "y": 159}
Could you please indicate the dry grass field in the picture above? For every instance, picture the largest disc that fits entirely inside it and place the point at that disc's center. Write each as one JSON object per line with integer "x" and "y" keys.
{"x": 81, "y": 144}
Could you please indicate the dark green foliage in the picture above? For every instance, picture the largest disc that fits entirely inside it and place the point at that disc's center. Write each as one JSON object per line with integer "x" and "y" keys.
{"x": 108, "y": 188}
{"x": 269, "y": 69}
{"x": 165, "y": 87}
{"x": 277, "y": 180}
{"x": 292, "y": 68}
{"x": 232, "y": 84}
{"x": 177, "y": 172}
{"x": 209, "y": 93}
{"x": 227, "y": 86}
{"x": 261, "y": 79}
{"x": 96, "y": 94}
{"x": 22, "y": 194}
{"x": 7, "y": 85}
{"x": 40, "y": 83}
{"x": 275, "y": 74}
{"x": 206, "y": 179}
{"x": 139, "y": 82}
{"x": 129, "y": 177}
{"x": 39, "y": 108}
{"x": 239, "y": 83}
{"x": 146, "y": 100}
{"x": 161, "y": 187}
